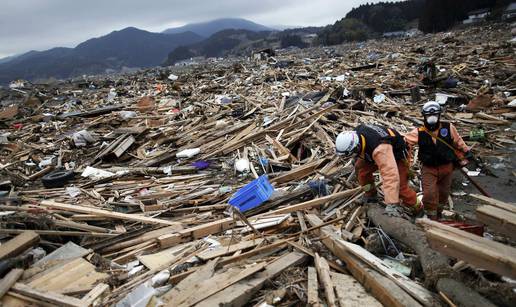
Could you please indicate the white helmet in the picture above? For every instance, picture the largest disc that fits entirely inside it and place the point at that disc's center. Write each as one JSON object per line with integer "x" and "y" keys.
{"x": 431, "y": 108}
{"x": 346, "y": 143}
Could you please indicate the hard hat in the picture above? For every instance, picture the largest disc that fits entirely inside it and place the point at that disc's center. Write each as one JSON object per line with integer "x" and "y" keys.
{"x": 346, "y": 143}
{"x": 431, "y": 108}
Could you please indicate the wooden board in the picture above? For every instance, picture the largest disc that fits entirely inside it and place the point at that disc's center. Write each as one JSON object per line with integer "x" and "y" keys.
{"x": 417, "y": 291}
{"x": 220, "y": 282}
{"x": 105, "y": 213}
{"x": 382, "y": 288}
{"x": 314, "y": 202}
{"x": 74, "y": 276}
{"x": 163, "y": 258}
{"x": 501, "y": 220}
{"x": 350, "y": 292}
{"x": 496, "y": 202}
{"x": 9, "y": 280}
{"x": 312, "y": 291}
{"x": 18, "y": 244}
{"x": 473, "y": 249}
{"x": 323, "y": 271}
{"x": 95, "y": 294}
{"x": 298, "y": 172}
{"x": 225, "y": 250}
{"x": 186, "y": 287}
{"x": 241, "y": 292}
{"x": 47, "y": 296}
{"x": 195, "y": 232}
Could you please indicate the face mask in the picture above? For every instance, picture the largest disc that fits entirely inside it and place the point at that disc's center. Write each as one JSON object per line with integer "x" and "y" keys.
{"x": 432, "y": 119}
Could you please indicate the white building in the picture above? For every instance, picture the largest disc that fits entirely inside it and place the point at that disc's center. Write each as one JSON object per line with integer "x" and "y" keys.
{"x": 476, "y": 16}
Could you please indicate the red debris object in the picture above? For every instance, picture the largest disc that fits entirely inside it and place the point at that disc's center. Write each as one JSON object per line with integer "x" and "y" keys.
{"x": 474, "y": 229}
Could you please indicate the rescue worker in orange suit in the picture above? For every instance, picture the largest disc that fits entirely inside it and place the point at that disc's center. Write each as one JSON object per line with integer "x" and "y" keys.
{"x": 440, "y": 146}
{"x": 383, "y": 149}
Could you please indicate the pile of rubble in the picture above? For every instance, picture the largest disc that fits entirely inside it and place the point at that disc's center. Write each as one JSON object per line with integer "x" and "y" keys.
{"x": 114, "y": 190}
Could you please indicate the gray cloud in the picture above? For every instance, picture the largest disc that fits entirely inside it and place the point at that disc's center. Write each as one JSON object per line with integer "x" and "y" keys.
{"x": 41, "y": 24}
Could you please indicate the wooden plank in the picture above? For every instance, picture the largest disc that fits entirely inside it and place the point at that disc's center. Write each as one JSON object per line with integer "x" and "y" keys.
{"x": 382, "y": 288}
{"x": 417, "y": 291}
{"x": 495, "y": 202}
{"x": 314, "y": 202}
{"x": 18, "y": 244}
{"x": 95, "y": 294}
{"x": 499, "y": 219}
{"x": 9, "y": 280}
{"x": 164, "y": 258}
{"x": 273, "y": 246}
{"x": 240, "y": 293}
{"x": 143, "y": 238}
{"x": 323, "y": 270}
{"x": 105, "y": 213}
{"x": 71, "y": 276}
{"x": 220, "y": 282}
{"x": 473, "y": 249}
{"x": 12, "y": 299}
{"x": 59, "y": 233}
{"x": 196, "y": 232}
{"x": 309, "y": 252}
{"x": 224, "y": 250}
{"x": 46, "y": 296}
{"x": 281, "y": 149}
{"x": 123, "y": 146}
{"x": 186, "y": 287}
{"x": 298, "y": 172}
{"x": 312, "y": 288}
{"x": 350, "y": 292}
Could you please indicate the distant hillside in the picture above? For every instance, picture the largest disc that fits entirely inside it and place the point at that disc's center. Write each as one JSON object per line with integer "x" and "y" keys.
{"x": 129, "y": 47}
{"x": 217, "y": 45}
{"x": 209, "y": 28}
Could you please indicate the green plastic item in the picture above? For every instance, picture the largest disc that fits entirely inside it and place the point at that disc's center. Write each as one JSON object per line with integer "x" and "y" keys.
{"x": 477, "y": 135}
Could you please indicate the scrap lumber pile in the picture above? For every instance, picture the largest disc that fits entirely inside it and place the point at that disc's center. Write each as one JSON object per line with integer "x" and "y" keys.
{"x": 114, "y": 190}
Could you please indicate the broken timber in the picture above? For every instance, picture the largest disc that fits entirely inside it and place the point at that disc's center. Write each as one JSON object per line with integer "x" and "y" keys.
{"x": 105, "y": 213}
{"x": 473, "y": 249}
{"x": 381, "y": 287}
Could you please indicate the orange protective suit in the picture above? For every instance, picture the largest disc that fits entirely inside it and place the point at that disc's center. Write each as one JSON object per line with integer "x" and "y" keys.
{"x": 436, "y": 179}
{"x": 394, "y": 176}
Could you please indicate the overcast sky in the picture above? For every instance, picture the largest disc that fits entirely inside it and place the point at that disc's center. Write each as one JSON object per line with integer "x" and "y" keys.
{"x": 42, "y": 24}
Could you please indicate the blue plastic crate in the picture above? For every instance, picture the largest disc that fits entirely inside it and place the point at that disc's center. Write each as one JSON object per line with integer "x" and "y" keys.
{"x": 253, "y": 194}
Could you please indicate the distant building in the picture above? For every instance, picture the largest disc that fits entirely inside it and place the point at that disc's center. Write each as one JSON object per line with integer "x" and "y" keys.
{"x": 309, "y": 38}
{"x": 394, "y": 34}
{"x": 413, "y": 32}
{"x": 510, "y": 12}
{"x": 476, "y": 16}
{"x": 263, "y": 54}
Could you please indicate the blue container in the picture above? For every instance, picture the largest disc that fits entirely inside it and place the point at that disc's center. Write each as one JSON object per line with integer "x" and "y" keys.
{"x": 253, "y": 194}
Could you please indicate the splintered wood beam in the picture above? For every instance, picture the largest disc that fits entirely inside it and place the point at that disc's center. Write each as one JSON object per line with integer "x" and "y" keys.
{"x": 381, "y": 287}
{"x": 314, "y": 202}
{"x": 495, "y": 202}
{"x": 239, "y": 294}
{"x": 9, "y": 280}
{"x": 499, "y": 219}
{"x": 478, "y": 251}
{"x": 323, "y": 270}
{"x": 47, "y": 296}
{"x": 105, "y": 213}
{"x": 312, "y": 288}
{"x": 169, "y": 240}
{"x": 18, "y": 244}
{"x": 351, "y": 293}
{"x": 298, "y": 172}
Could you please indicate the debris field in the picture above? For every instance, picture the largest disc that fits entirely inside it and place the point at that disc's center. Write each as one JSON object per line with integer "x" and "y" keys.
{"x": 116, "y": 190}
